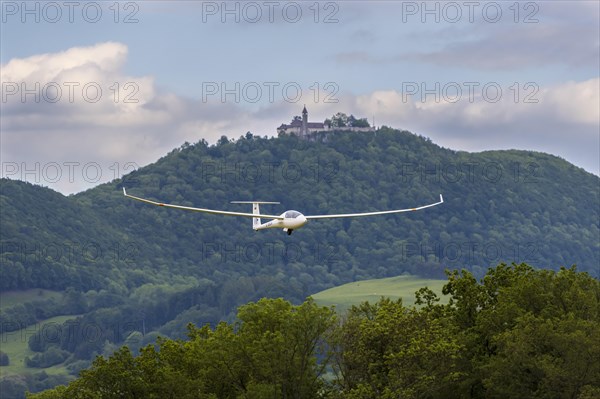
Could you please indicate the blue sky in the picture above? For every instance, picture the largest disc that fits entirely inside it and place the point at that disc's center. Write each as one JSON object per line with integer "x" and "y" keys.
{"x": 527, "y": 74}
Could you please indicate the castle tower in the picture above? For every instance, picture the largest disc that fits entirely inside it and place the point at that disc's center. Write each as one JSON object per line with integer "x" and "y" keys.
{"x": 304, "y": 131}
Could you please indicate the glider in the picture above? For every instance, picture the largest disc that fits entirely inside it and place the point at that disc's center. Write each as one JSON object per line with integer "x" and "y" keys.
{"x": 288, "y": 221}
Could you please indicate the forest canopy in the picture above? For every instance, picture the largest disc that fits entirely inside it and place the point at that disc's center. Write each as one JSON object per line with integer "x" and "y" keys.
{"x": 134, "y": 270}
{"x": 519, "y": 332}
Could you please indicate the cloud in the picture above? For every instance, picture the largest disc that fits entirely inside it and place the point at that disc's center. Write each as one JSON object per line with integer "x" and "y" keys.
{"x": 518, "y": 47}
{"x": 577, "y": 102}
{"x": 564, "y": 120}
{"x": 528, "y": 35}
{"x": 108, "y": 57}
{"x": 79, "y": 106}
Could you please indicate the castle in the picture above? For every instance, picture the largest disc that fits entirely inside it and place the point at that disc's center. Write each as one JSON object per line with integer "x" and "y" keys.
{"x": 303, "y": 128}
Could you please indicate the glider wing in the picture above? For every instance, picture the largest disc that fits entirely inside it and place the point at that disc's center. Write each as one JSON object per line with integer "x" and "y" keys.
{"x": 351, "y": 215}
{"x": 189, "y": 208}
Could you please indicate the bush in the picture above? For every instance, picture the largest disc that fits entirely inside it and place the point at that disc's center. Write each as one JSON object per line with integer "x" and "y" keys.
{"x": 13, "y": 387}
{"x": 4, "y": 360}
{"x": 49, "y": 358}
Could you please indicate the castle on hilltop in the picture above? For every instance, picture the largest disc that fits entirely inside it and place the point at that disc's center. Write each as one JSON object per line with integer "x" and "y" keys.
{"x": 304, "y": 129}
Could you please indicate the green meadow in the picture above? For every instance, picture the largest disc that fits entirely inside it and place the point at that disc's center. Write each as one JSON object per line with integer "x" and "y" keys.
{"x": 344, "y": 296}
{"x": 11, "y": 298}
{"x": 14, "y": 344}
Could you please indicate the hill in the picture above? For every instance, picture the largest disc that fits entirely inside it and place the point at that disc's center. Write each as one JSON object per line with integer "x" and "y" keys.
{"x": 500, "y": 205}
{"x": 133, "y": 270}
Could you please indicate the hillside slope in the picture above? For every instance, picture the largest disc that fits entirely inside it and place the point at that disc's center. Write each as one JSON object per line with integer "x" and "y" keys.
{"x": 500, "y": 206}
{"x": 134, "y": 271}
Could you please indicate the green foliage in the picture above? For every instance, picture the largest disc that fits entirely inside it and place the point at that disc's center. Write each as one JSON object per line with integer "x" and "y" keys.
{"x": 354, "y": 122}
{"x": 544, "y": 330}
{"x": 125, "y": 266}
{"x": 280, "y": 342}
{"x": 15, "y": 386}
{"x": 31, "y": 308}
{"x": 500, "y": 206}
{"x": 389, "y": 351}
{"x": 50, "y": 357}
{"x": 518, "y": 333}
{"x": 4, "y": 359}
{"x": 272, "y": 351}
{"x": 341, "y": 120}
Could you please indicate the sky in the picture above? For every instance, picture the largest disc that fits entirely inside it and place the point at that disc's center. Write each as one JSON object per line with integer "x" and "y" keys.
{"x": 94, "y": 90}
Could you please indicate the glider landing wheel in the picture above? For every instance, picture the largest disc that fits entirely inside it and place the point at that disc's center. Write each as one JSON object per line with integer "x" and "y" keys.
{"x": 289, "y": 232}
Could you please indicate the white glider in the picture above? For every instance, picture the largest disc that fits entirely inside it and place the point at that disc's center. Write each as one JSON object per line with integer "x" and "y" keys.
{"x": 288, "y": 221}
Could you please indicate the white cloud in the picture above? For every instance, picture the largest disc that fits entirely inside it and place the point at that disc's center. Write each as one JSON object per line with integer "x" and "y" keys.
{"x": 108, "y": 57}
{"x": 118, "y": 120}
{"x": 565, "y": 120}
{"x": 577, "y": 102}
{"x": 571, "y": 102}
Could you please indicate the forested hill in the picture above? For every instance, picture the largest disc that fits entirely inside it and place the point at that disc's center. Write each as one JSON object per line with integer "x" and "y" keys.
{"x": 499, "y": 206}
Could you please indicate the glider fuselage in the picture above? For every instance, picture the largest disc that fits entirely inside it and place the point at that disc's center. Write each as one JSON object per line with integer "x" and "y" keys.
{"x": 291, "y": 220}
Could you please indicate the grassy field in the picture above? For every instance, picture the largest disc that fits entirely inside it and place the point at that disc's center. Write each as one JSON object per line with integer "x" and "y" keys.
{"x": 344, "y": 296}
{"x": 14, "y": 344}
{"x": 11, "y": 298}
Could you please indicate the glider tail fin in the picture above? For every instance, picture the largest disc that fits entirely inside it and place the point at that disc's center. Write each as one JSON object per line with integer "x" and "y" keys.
{"x": 255, "y": 210}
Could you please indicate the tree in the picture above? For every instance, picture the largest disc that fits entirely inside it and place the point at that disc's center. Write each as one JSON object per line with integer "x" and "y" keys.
{"x": 339, "y": 120}
{"x": 50, "y": 357}
{"x": 4, "y": 360}
{"x": 74, "y": 301}
{"x": 282, "y": 342}
{"x": 544, "y": 332}
{"x": 354, "y": 122}
{"x": 116, "y": 377}
{"x": 275, "y": 350}
{"x": 388, "y": 351}
{"x": 12, "y": 386}
{"x": 223, "y": 140}
{"x": 528, "y": 333}
{"x": 519, "y": 332}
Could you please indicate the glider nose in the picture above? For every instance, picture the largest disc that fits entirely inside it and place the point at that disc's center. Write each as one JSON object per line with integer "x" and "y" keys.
{"x": 302, "y": 219}
{"x": 299, "y": 221}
